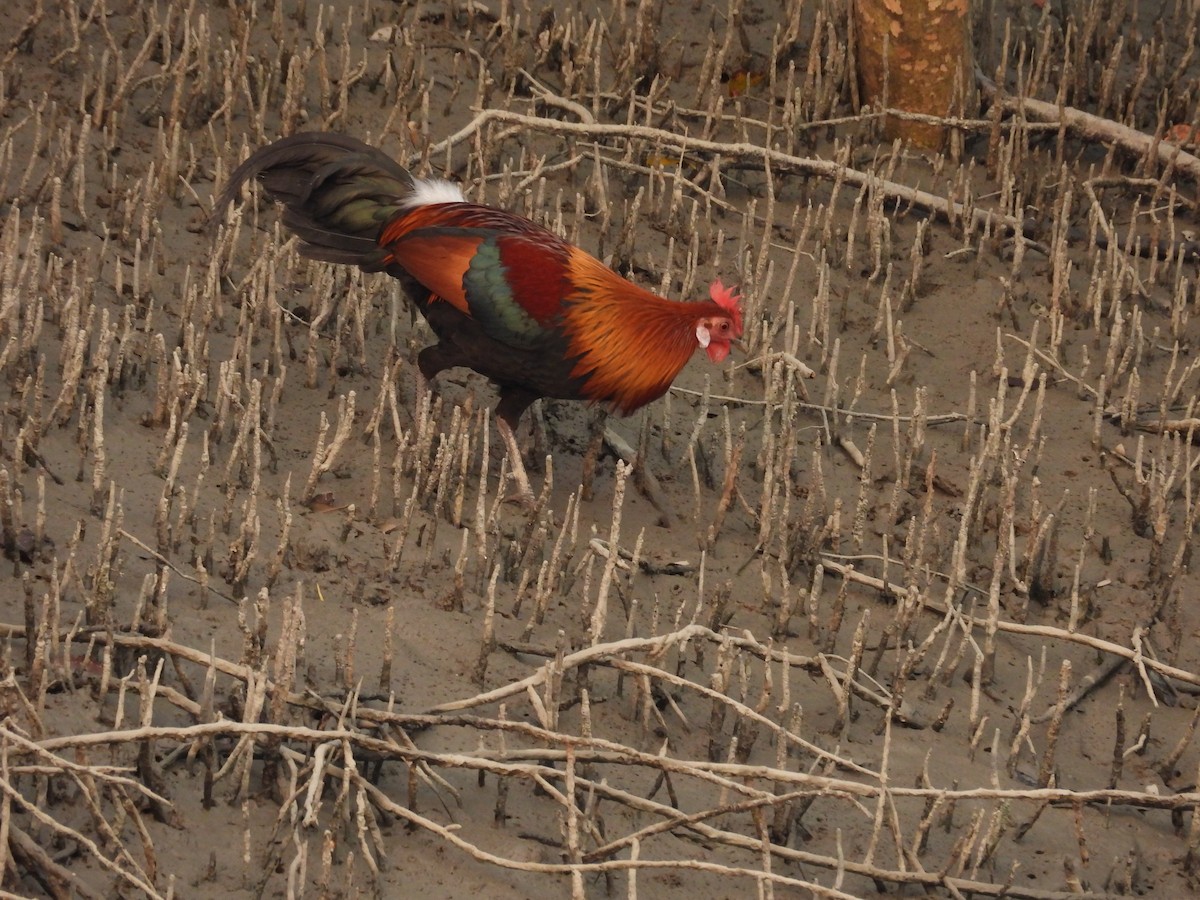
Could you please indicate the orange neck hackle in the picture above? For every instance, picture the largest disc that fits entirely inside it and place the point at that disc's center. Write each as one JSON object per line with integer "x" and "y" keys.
{"x": 630, "y": 343}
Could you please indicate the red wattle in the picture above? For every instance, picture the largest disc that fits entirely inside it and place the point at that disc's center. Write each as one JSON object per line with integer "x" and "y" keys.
{"x": 718, "y": 350}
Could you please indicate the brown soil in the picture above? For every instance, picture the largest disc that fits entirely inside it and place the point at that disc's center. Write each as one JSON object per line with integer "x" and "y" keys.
{"x": 249, "y": 656}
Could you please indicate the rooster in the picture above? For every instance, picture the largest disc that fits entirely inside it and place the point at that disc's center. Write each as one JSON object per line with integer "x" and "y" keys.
{"x": 506, "y": 297}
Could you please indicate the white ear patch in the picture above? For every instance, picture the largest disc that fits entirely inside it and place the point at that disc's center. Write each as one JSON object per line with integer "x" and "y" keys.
{"x": 702, "y": 335}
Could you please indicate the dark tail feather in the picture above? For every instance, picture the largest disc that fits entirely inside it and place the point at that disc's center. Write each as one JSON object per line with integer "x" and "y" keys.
{"x": 337, "y": 193}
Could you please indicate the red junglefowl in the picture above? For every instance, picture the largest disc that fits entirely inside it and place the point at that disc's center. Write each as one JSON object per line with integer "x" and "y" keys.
{"x": 505, "y": 297}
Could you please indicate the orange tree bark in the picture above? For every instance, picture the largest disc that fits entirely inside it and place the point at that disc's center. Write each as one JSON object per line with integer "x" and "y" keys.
{"x": 913, "y": 55}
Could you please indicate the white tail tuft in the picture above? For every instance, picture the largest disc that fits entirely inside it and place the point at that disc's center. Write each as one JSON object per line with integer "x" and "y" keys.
{"x": 427, "y": 191}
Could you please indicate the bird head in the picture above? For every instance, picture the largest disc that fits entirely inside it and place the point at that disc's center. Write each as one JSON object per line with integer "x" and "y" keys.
{"x": 716, "y": 333}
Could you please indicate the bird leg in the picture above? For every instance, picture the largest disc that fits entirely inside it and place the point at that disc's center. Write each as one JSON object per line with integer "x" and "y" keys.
{"x": 524, "y": 493}
{"x": 513, "y": 403}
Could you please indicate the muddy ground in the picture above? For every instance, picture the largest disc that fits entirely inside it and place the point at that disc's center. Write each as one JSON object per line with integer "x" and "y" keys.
{"x": 920, "y": 623}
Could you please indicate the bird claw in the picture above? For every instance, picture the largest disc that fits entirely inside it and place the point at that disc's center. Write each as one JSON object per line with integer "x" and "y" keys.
{"x": 522, "y": 491}
{"x": 524, "y": 498}
{"x": 534, "y": 506}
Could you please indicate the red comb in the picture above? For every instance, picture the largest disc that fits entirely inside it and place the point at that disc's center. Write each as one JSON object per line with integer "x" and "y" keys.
{"x": 729, "y": 300}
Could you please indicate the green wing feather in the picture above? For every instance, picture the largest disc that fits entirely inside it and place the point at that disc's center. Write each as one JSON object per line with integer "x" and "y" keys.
{"x": 492, "y": 302}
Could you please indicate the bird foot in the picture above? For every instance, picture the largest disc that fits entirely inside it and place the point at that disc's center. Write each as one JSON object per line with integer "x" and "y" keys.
{"x": 533, "y": 506}
{"x": 524, "y": 498}
{"x": 523, "y": 492}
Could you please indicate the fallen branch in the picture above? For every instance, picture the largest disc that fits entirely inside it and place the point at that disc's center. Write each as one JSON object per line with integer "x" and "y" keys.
{"x": 780, "y": 162}
{"x": 1047, "y": 631}
{"x": 1090, "y": 127}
